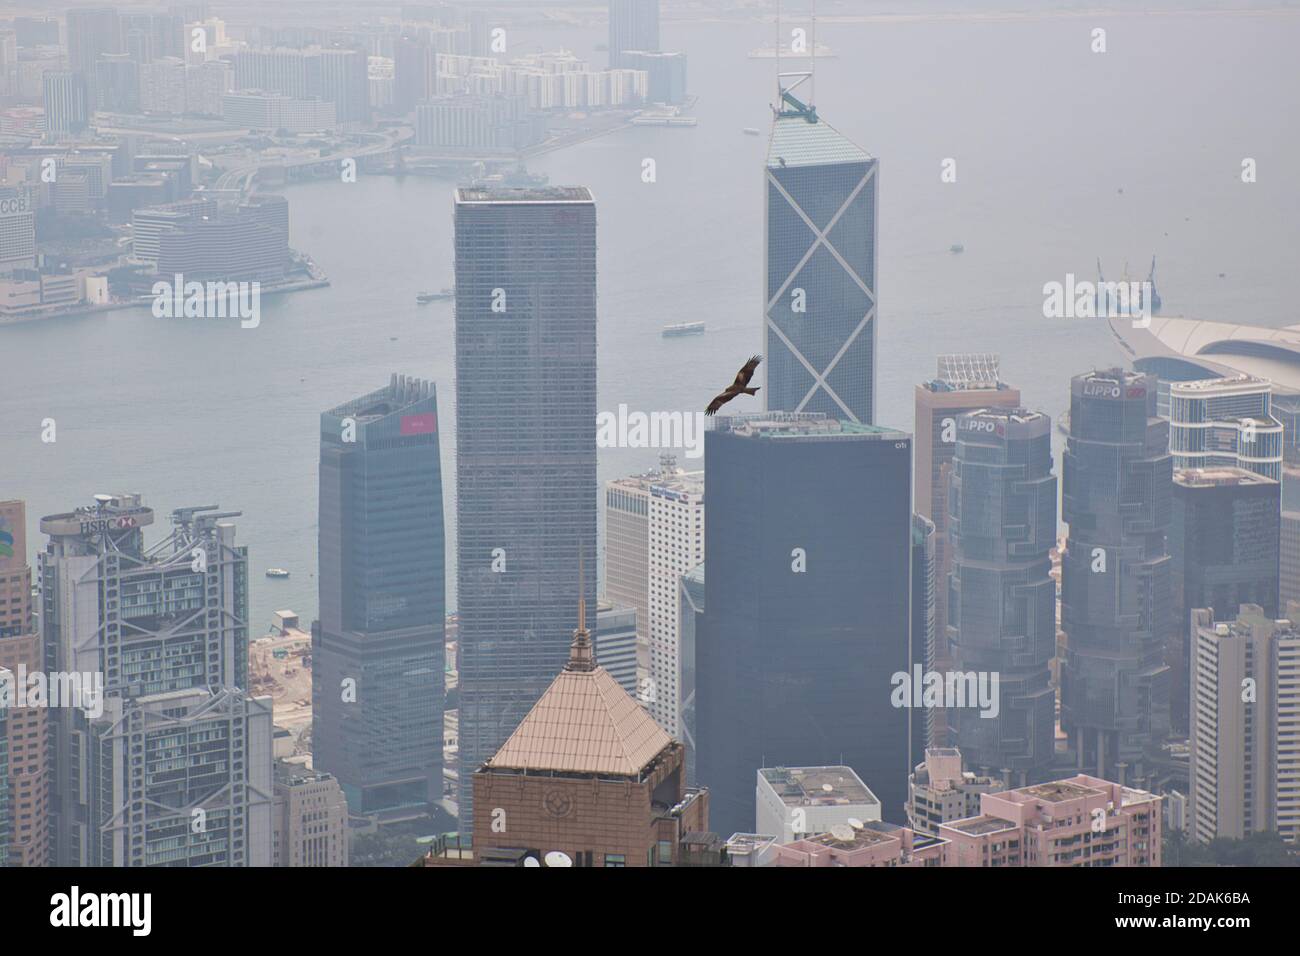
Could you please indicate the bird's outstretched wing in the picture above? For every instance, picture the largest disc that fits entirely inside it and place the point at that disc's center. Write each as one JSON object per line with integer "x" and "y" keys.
{"x": 746, "y": 372}
{"x": 718, "y": 402}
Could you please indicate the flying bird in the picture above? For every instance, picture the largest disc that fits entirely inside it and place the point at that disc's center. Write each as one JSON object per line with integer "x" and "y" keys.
{"x": 738, "y": 387}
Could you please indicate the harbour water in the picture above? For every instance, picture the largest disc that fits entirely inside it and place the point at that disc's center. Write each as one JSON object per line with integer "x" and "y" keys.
{"x": 1045, "y": 135}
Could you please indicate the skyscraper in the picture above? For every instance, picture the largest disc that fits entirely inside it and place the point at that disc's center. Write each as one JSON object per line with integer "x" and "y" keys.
{"x": 1223, "y": 549}
{"x": 92, "y": 31}
{"x": 962, "y": 383}
{"x": 67, "y": 109}
{"x": 654, "y": 535}
{"x": 378, "y": 649}
{"x": 21, "y": 652}
{"x": 690, "y": 615}
{"x": 163, "y": 631}
{"x": 1245, "y": 726}
{"x": 633, "y": 25}
{"x": 526, "y": 450}
{"x": 1289, "y": 559}
{"x": 820, "y": 292}
{"x": 807, "y": 597}
{"x": 1115, "y": 603}
{"x": 1002, "y": 599}
{"x": 925, "y": 587}
{"x": 1225, "y": 422}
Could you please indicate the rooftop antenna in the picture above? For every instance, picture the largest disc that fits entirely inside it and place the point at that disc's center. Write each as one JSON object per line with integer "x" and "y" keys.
{"x": 778, "y": 51}
{"x": 812, "y": 85}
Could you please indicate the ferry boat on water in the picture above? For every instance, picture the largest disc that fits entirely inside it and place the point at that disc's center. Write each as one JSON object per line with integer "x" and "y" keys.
{"x": 276, "y": 573}
{"x": 424, "y": 297}
{"x": 683, "y": 328}
{"x": 1113, "y": 305}
{"x": 750, "y": 131}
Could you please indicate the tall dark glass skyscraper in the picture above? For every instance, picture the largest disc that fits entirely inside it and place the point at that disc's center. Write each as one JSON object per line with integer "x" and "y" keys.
{"x": 377, "y": 650}
{"x": 807, "y": 597}
{"x": 1115, "y": 606}
{"x": 1002, "y": 598}
{"x": 1223, "y": 546}
{"x": 820, "y": 299}
{"x": 526, "y": 487}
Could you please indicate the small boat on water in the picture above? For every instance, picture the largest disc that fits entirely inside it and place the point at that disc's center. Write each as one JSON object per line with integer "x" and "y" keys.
{"x": 750, "y": 131}
{"x": 276, "y": 573}
{"x": 424, "y": 297}
{"x": 956, "y": 247}
{"x": 683, "y": 328}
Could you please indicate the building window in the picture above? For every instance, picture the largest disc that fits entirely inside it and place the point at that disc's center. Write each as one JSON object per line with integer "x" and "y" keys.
{"x": 615, "y": 859}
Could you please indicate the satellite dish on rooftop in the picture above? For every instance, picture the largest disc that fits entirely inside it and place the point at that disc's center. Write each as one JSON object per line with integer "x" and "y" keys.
{"x": 103, "y": 499}
{"x": 855, "y": 823}
{"x": 828, "y": 788}
{"x": 531, "y": 861}
{"x": 841, "y": 832}
{"x": 556, "y": 858}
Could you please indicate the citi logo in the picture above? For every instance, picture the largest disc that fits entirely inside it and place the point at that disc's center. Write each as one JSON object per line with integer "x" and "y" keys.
{"x": 133, "y": 910}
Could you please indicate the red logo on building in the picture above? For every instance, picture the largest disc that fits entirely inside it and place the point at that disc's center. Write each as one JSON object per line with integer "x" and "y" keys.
{"x": 422, "y": 424}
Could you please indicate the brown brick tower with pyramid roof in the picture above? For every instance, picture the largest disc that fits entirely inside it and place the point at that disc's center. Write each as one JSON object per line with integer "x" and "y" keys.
{"x": 587, "y": 774}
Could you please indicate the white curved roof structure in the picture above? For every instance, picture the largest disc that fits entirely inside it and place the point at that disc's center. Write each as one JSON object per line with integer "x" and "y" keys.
{"x": 1180, "y": 349}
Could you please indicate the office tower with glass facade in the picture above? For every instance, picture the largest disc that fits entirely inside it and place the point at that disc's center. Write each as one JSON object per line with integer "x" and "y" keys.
{"x": 925, "y": 586}
{"x": 1223, "y": 547}
{"x": 819, "y": 312}
{"x": 633, "y": 25}
{"x": 378, "y": 648}
{"x": 615, "y": 640}
{"x": 808, "y": 606}
{"x": 92, "y": 32}
{"x": 1115, "y": 602}
{"x": 1225, "y": 422}
{"x": 526, "y": 450}
{"x": 962, "y": 383}
{"x": 1002, "y": 598}
{"x": 1289, "y": 559}
{"x": 67, "y": 109}
{"x": 159, "y": 639}
{"x": 691, "y": 614}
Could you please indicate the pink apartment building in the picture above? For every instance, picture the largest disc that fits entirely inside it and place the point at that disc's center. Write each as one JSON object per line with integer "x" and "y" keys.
{"x": 1078, "y": 821}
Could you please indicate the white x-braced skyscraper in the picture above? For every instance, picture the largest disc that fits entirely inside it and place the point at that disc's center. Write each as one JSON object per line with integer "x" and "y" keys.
{"x": 820, "y": 298}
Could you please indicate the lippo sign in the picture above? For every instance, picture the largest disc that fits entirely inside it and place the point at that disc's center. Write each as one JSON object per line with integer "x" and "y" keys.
{"x": 423, "y": 424}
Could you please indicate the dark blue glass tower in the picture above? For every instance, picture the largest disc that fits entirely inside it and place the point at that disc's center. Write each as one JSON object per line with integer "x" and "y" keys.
{"x": 808, "y": 607}
{"x": 1002, "y": 599}
{"x": 377, "y": 649}
{"x": 1115, "y": 601}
